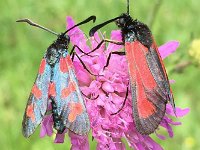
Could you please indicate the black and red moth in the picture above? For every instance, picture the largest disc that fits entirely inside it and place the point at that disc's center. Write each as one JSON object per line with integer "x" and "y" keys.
{"x": 150, "y": 86}
{"x": 56, "y": 86}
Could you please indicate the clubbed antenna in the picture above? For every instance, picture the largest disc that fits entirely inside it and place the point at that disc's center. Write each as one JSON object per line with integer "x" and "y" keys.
{"x": 94, "y": 29}
{"x": 36, "y": 25}
{"x": 93, "y": 18}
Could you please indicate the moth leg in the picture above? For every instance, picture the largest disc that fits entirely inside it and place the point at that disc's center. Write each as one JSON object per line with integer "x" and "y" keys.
{"x": 75, "y": 46}
{"x": 73, "y": 54}
{"x": 90, "y": 98}
{"x": 84, "y": 66}
{"x": 103, "y": 41}
{"x": 109, "y": 56}
{"x": 123, "y": 103}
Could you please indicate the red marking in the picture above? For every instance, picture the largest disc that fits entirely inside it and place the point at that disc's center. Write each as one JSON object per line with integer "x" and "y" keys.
{"x": 69, "y": 61}
{"x": 52, "y": 89}
{"x": 66, "y": 91}
{"x": 30, "y": 112}
{"x": 141, "y": 74}
{"x": 144, "y": 106}
{"x": 75, "y": 110}
{"x": 76, "y": 107}
{"x": 36, "y": 91}
{"x": 143, "y": 69}
{"x": 63, "y": 65}
{"x": 71, "y": 117}
{"x": 42, "y": 66}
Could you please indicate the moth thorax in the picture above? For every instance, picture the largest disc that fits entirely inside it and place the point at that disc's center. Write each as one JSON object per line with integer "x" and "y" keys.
{"x": 52, "y": 56}
{"x": 130, "y": 36}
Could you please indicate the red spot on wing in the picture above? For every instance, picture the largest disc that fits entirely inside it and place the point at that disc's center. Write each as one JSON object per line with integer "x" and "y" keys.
{"x": 65, "y": 93}
{"x": 68, "y": 90}
{"x": 30, "y": 112}
{"x": 76, "y": 107}
{"x": 75, "y": 110}
{"x": 36, "y": 91}
{"x": 52, "y": 89}
{"x": 63, "y": 65}
{"x": 144, "y": 106}
{"x": 42, "y": 66}
{"x": 69, "y": 61}
{"x": 71, "y": 117}
{"x": 66, "y": 63}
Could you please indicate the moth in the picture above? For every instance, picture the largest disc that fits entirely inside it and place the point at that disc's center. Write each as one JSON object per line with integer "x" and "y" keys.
{"x": 149, "y": 82}
{"x": 56, "y": 86}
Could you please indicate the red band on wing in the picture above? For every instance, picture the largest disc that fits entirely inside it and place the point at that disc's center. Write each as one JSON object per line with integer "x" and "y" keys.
{"x": 52, "y": 89}
{"x": 140, "y": 52}
{"x": 75, "y": 110}
{"x": 141, "y": 75}
{"x": 42, "y": 66}
{"x": 66, "y": 91}
{"x": 144, "y": 106}
{"x": 30, "y": 112}
{"x": 36, "y": 91}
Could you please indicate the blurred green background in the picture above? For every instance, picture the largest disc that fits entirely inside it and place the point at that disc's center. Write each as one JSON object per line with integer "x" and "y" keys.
{"x": 22, "y": 47}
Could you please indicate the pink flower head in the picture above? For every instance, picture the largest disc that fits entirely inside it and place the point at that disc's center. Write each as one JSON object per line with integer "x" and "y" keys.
{"x": 110, "y": 87}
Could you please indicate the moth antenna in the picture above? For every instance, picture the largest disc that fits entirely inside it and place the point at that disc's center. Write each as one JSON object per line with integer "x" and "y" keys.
{"x": 93, "y": 18}
{"x": 128, "y": 7}
{"x": 97, "y": 27}
{"x": 36, "y": 25}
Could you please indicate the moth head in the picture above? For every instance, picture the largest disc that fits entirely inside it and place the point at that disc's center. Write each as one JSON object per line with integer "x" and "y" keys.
{"x": 63, "y": 39}
{"x": 123, "y": 20}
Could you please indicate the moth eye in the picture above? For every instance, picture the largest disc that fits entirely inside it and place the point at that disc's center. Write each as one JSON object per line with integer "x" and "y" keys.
{"x": 122, "y": 21}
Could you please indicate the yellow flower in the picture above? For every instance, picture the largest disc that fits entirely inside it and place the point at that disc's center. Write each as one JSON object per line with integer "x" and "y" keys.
{"x": 189, "y": 142}
{"x": 195, "y": 50}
